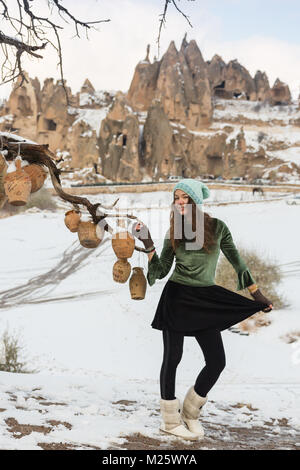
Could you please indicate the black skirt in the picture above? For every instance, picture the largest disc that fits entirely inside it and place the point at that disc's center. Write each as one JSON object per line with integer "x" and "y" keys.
{"x": 188, "y": 309}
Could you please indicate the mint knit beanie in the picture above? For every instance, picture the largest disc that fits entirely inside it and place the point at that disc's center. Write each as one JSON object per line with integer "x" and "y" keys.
{"x": 194, "y": 188}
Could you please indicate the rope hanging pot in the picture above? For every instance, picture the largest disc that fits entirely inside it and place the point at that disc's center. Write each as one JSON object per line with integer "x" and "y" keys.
{"x": 123, "y": 244}
{"x": 3, "y": 168}
{"x": 137, "y": 284}
{"x": 37, "y": 175}
{"x": 17, "y": 186}
{"x": 121, "y": 270}
{"x": 72, "y": 219}
{"x": 90, "y": 235}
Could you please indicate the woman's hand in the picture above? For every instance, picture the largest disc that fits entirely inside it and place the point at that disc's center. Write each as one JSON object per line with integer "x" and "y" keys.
{"x": 141, "y": 232}
{"x": 259, "y": 297}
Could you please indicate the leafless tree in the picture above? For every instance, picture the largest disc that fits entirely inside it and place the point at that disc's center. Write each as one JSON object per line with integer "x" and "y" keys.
{"x": 30, "y": 33}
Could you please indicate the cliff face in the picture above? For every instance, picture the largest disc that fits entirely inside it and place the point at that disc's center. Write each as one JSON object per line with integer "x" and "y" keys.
{"x": 181, "y": 116}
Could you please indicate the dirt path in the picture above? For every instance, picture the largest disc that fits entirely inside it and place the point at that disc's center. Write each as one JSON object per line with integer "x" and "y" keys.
{"x": 235, "y": 438}
{"x": 223, "y": 431}
{"x": 230, "y": 434}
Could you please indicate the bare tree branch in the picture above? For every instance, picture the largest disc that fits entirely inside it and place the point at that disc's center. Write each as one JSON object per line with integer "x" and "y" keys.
{"x": 163, "y": 19}
{"x": 40, "y": 154}
{"x": 38, "y": 29}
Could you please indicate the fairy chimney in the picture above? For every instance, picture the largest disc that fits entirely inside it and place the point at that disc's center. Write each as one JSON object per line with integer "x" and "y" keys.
{"x": 216, "y": 69}
{"x": 24, "y": 99}
{"x": 87, "y": 87}
{"x": 239, "y": 82}
{"x": 179, "y": 80}
{"x": 119, "y": 142}
{"x": 143, "y": 84}
{"x": 230, "y": 80}
{"x": 262, "y": 86}
{"x": 280, "y": 94}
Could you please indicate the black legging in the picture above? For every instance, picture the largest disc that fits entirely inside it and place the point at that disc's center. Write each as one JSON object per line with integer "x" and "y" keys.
{"x": 211, "y": 344}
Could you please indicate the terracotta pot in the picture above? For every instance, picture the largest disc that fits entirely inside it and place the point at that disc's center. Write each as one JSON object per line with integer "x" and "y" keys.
{"x": 72, "y": 219}
{"x": 3, "y": 168}
{"x": 3, "y": 164}
{"x": 123, "y": 244}
{"x": 137, "y": 284}
{"x": 37, "y": 175}
{"x": 90, "y": 235}
{"x": 17, "y": 186}
{"x": 121, "y": 270}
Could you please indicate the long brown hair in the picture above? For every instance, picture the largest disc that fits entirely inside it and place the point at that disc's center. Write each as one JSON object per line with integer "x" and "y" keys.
{"x": 209, "y": 226}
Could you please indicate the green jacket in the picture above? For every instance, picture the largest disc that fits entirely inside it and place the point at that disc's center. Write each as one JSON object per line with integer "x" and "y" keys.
{"x": 196, "y": 267}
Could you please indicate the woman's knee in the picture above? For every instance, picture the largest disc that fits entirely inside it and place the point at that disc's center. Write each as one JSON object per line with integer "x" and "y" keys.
{"x": 217, "y": 365}
{"x": 172, "y": 360}
{"x": 173, "y": 348}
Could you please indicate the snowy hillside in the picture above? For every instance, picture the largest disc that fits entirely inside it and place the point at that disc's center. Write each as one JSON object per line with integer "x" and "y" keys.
{"x": 97, "y": 359}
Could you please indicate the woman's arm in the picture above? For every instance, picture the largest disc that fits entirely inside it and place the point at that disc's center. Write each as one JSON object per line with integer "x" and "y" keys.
{"x": 159, "y": 266}
{"x": 245, "y": 278}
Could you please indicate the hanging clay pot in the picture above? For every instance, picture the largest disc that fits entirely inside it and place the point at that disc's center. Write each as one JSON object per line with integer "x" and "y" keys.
{"x": 123, "y": 244}
{"x": 37, "y": 175}
{"x": 137, "y": 284}
{"x": 72, "y": 219}
{"x": 3, "y": 168}
{"x": 90, "y": 235}
{"x": 3, "y": 164}
{"x": 121, "y": 270}
{"x": 17, "y": 186}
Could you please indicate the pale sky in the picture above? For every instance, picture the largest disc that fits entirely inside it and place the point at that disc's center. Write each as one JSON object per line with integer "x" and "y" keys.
{"x": 261, "y": 34}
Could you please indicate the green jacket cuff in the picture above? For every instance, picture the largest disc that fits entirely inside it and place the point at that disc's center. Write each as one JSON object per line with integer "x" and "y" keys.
{"x": 245, "y": 279}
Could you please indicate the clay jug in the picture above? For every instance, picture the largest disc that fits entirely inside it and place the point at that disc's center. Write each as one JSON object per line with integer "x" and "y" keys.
{"x": 137, "y": 284}
{"x": 17, "y": 186}
{"x": 90, "y": 235}
{"x": 121, "y": 270}
{"x": 37, "y": 175}
{"x": 3, "y": 168}
{"x": 123, "y": 244}
{"x": 72, "y": 219}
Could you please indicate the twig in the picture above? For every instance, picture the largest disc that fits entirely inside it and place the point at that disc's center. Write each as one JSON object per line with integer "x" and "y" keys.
{"x": 163, "y": 19}
{"x": 38, "y": 29}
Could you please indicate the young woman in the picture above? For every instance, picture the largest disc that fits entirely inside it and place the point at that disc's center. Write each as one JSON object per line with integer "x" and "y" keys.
{"x": 191, "y": 304}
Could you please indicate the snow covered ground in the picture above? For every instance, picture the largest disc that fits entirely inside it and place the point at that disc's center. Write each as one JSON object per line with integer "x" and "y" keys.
{"x": 97, "y": 359}
{"x": 255, "y": 110}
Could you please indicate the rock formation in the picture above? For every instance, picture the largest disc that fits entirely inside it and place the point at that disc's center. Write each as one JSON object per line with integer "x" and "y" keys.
{"x": 179, "y": 81}
{"x": 216, "y": 74}
{"x": 87, "y": 87}
{"x": 262, "y": 86}
{"x": 118, "y": 142}
{"x": 143, "y": 85}
{"x": 156, "y": 142}
{"x": 280, "y": 93}
{"x": 239, "y": 82}
{"x": 232, "y": 80}
{"x": 163, "y": 126}
{"x": 53, "y": 121}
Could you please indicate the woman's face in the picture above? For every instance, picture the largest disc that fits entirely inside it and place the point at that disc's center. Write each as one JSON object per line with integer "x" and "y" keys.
{"x": 181, "y": 200}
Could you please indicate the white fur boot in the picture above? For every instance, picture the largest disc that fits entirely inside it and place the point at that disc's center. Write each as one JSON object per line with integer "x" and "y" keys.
{"x": 170, "y": 410}
{"x": 191, "y": 410}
